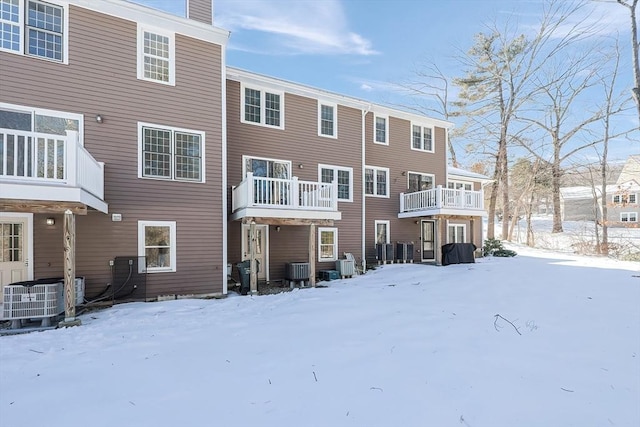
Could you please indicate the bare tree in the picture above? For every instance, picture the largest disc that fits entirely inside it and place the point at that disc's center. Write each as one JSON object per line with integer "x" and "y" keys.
{"x": 635, "y": 91}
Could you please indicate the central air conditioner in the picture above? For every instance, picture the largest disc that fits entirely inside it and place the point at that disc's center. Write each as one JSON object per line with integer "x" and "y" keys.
{"x": 26, "y": 300}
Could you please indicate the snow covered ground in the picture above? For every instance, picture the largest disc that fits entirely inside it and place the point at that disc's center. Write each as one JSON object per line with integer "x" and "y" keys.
{"x": 404, "y": 345}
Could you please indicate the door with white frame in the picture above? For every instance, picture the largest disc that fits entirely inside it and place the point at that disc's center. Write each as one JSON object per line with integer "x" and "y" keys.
{"x": 15, "y": 249}
{"x": 262, "y": 248}
{"x": 428, "y": 236}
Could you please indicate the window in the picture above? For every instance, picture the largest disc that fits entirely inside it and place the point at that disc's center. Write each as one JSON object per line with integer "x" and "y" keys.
{"x": 456, "y": 185}
{"x": 262, "y": 107}
{"x": 455, "y": 233}
{"x": 629, "y": 216}
{"x": 382, "y": 232}
{"x": 266, "y": 168}
{"x": 343, "y": 175}
{"x": 156, "y": 55}
{"x": 327, "y": 244}
{"x": 327, "y": 120}
{"x": 625, "y": 198}
{"x": 376, "y": 181}
{"x": 422, "y": 138}
{"x": 157, "y": 244}
{"x": 419, "y": 181}
{"x": 171, "y": 153}
{"x": 35, "y": 28}
{"x": 380, "y": 130}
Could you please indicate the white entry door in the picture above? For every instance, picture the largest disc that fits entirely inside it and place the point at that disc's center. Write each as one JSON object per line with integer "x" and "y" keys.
{"x": 261, "y": 248}
{"x": 14, "y": 250}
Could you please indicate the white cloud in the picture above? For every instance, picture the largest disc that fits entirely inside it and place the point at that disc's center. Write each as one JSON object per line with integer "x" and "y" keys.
{"x": 366, "y": 87}
{"x": 318, "y": 27}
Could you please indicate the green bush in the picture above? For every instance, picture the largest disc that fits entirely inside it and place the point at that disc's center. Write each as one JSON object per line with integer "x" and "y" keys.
{"x": 494, "y": 247}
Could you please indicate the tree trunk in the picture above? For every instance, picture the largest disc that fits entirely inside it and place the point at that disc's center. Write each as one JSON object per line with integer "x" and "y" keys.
{"x": 491, "y": 222}
{"x": 555, "y": 185}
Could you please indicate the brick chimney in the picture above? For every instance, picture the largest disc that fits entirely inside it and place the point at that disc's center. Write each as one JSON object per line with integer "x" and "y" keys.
{"x": 200, "y": 10}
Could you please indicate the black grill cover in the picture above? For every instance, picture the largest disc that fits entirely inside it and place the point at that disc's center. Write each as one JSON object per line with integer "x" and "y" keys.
{"x": 458, "y": 253}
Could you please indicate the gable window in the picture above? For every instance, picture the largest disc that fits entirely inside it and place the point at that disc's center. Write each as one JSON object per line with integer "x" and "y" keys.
{"x": 343, "y": 176}
{"x": 625, "y": 198}
{"x": 381, "y": 130}
{"x": 262, "y": 107}
{"x": 382, "y": 232}
{"x": 629, "y": 216}
{"x": 35, "y": 28}
{"x": 422, "y": 138}
{"x": 327, "y": 244}
{"x": 457, "y": 185}
{"x": 455, "y": 233}
{"x": 157, "y": 244}
{"x": 419, "y": 182}
{"x": 376, "y": 181}
{"x": 156, "y": 55}
{"x": 171, "y": 153}
{"x": 327, "y": 121}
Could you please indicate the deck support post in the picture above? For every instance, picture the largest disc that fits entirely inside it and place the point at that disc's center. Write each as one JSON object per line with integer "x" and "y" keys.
{"x": 438, "y": 239}
{"x": 69, "y": 243}
{"x": 253, "y": 277}
{"x": 312, "y": 255}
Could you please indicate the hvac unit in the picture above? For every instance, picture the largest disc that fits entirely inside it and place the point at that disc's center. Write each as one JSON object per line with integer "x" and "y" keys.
{"x": 79, "y": 284}
{"x": 384, "y": 253}
{"x": 404, "y": 252}
{"x": 26, "y": 300}
{"x": 346, "y": 267}
{"x": 297, "y": 272}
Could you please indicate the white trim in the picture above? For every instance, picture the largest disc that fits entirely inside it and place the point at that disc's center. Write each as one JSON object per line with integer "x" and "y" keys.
{"x": 433, "y": 178}
{"x": 456, "y": 226}
{"x": 141, "y": 55}
{"x": 333, "y": 230}
{"x": 386, "y": 129}
{"x": 335, "y": 170}
{"x": 268, "y": 159}
{"x": 29, "y": 218}
{"x": 285, "y": 213}
{"x": 422, "y": 127}
{"x": 629, "y": 215}
{"x": 375, "y": 181}
{"x": 223, "y": 188}
{"x": 45, "y": 112}
{"x": 173, "y": 130}
{"x": 172, "y": 244}
{"x": 322, "y": 103}
{"x": 375, "y": 229}
{"x": 263, "y": 105}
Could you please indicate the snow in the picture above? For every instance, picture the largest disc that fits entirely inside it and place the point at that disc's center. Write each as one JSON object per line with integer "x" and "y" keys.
{"x": 404, "y": 345}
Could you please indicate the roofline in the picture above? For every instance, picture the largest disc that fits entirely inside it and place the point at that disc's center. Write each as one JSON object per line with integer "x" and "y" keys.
{"x": 244, "y": 76}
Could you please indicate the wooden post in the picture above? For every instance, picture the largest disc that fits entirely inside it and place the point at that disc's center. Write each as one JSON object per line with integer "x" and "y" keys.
{"x": 253, "y": 278}
{"x": 69, "y": 243}
{"x": 312, "y": 255}
{"x": 438, "y": 241}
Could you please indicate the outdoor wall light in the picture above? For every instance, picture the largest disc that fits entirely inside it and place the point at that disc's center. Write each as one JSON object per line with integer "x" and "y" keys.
{"x": 301, "y": 166}
{"x": 278, "y": 228}
{"x": 99, "y": 118}
{"x": 51, "y": 221}
{"x": 404, "y": 173}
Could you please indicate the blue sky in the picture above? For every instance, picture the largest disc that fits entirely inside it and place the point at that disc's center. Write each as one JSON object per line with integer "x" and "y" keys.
{"x": 361, "y": 48}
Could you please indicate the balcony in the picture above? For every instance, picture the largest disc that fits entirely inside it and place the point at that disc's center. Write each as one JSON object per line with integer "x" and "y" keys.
{"x": 49, "y": 168}
{"x": 285, "y": 198}
{"x": 441, "y": 201}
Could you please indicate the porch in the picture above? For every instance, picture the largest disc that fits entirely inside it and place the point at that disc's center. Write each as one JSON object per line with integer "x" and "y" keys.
{"x": 441, "y": 201}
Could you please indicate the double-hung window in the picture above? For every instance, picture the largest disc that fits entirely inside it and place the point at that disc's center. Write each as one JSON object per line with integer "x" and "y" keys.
{"x": 156, "y": 55}
{"x": 455, "y": 233}
{"x": 157, "y": 244}
{"x": 625, "y": 198}
{"x": 35, "y": 28}
{"x": 171, "y": 153}
{"x": 629, "y": 216}
{"x": 327, "y": 244}
{"x": 419, "y": 181}
{"x": 262, "y": 107}
{"x": 376, "y": 181}
{"x": 422, "y": 138}
{"x": 381, "y": 130}
{"x": 344, "y": 178}
{"x": 327, "y": 120}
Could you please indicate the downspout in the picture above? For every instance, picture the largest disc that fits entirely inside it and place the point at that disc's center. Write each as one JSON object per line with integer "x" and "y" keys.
{"x": 225, "y": 225}
{"x": 362, "y": 190}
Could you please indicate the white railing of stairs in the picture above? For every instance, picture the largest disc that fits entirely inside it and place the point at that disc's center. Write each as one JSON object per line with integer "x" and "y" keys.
{"x": 441, "y": 198}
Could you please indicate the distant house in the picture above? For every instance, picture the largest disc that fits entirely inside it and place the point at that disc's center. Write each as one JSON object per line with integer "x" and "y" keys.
{"x": 581, "y": 203}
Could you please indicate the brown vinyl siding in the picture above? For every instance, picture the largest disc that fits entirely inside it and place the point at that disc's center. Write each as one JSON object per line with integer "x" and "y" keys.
{"x": 200, "y": 10}
{"x": 299, "y": 143}
{"x": 101, "y": 77}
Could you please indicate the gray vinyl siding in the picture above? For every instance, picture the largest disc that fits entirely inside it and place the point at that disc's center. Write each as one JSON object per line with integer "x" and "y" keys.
{"x": 200, "y": 10}
{"x": 101, "y": 77}
{"x": 299, "y": 143}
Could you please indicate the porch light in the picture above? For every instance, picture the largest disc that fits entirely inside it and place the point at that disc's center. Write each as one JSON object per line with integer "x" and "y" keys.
{"x": 51, "y": 221}
{"x": 99, "y": 118}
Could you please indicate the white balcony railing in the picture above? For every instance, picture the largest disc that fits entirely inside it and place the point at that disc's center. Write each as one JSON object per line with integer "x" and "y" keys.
{"x": 58, "y": 160}
{"x": 277, "y": 193}
{"x": 441, "y": 198}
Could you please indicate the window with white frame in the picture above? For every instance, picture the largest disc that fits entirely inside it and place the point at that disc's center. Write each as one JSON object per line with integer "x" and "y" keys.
{"x": 35, "y": 28}
{"x": 343, "y": 176}
{"x": 327, "y": 120}
{"x": 382, "y": 230}
{"x": 376, "y": 181}
{"x": 625, "y": 198}
{"x": 327, "y": 244}
{"x": 157, "y": 244}
{"x": 458, "y": 185}
{"x": 171, "y": 153}
{"x": 629, "y": 216}
{"x": 266, "y": 168}
{"x": 262, "y": 107}
{"x": 421, "y": 138}
{"x": 381, "y": 130}
{"x": 456, "y": 233}
{"x": 419, "y": 181}
{"x": 156, "y": 55}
